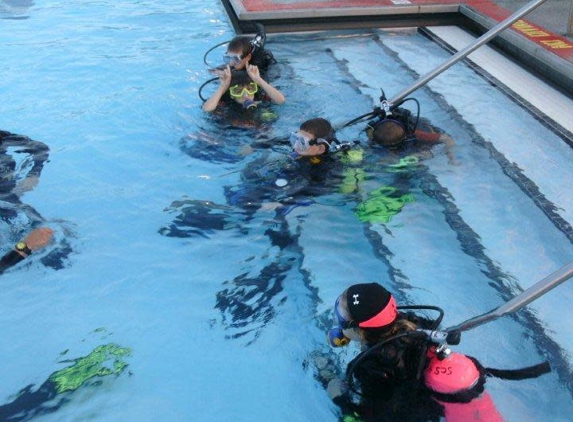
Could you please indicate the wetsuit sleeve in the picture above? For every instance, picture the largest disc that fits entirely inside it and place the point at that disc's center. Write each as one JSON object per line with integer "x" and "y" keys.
{"x": 38, "y": 151}
{"x": 9, "y": 260}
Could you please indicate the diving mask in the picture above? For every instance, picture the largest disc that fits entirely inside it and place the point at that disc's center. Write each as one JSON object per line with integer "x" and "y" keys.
{"x": 300, "y": 143}
{"x": 336, "y": 335}
{"x": 232, "y": 59}
{"x": 238, "y": 91}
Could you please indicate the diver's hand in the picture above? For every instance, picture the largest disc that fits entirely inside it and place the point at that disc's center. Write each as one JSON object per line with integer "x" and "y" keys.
{"x": 253, "y": 72}
{"x": 225, "y": 77}
{"x": 26, "y": 185}
{"x": 336, "y": 388}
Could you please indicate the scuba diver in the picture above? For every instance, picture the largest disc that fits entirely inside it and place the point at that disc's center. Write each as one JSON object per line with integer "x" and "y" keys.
{"x": 21, "y": 162}
{"x": 274, "y": 183}
{"x": 242, "y": 87}
{"x": 314, "y": 167}
{"x": 401, "y": 134}
{"x": 241, "y": 52}
{"x": 406, "y": 372}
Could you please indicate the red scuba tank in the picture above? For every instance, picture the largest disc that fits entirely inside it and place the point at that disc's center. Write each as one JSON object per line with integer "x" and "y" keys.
{"x": 456, "y": 376}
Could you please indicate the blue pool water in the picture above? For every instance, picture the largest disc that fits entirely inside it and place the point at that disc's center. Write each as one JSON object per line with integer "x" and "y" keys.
{"x": 223, "y": 313}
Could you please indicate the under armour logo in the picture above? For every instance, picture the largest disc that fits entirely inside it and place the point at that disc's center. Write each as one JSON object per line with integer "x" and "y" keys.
{"x": 356, "y": 302}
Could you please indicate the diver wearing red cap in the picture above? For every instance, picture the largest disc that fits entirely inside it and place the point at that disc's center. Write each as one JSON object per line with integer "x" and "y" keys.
{"x": 405, "y": 373}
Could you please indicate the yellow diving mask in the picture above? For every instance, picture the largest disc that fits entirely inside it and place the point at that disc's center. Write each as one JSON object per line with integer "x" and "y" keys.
{"x": 238, "y": 91}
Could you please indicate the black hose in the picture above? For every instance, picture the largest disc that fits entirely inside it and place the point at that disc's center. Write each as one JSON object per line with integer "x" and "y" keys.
{"x": 211, "y": 49}
{"x": 417, "y": 112}
{"x": 358, "y": 119}
{"x": 351, "y": 367}
{"x": 203, "y": 86}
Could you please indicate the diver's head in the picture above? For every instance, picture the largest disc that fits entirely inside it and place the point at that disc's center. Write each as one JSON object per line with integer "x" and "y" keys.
{"x": 386, "y": 132}
{"x": 361, "y": 308}
{"x": 313, "y": 138}
{"x": 239, "y": 52}
{"x": 243, "y": 89}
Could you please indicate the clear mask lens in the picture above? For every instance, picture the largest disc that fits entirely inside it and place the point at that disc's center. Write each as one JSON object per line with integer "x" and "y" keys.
{"x": 341, "y": 315}
{"x": 299, "y": 142}
{"x": 232, "y": 59}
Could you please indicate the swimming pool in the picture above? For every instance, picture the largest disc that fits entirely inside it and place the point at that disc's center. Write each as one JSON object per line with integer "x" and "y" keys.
{"x": 111, "y": 88}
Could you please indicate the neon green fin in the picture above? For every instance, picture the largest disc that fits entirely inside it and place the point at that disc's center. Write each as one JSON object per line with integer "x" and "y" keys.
{"x": 382, "y": 204}
{"x": 90, "y": 366}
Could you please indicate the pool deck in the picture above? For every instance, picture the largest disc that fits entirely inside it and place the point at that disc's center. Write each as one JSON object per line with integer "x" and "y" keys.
{"x": 531, "y": 42}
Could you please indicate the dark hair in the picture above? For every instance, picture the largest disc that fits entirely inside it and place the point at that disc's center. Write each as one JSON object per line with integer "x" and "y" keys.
{"x": 319, "y": 128}
{"x": 387, "y": 132}
{"x": 240, "y": 77}
{"x": 376, "y": 335}
{"x": 241, "y": 43}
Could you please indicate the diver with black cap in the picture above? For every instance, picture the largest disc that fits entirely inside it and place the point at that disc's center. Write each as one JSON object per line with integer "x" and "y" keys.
{"x": 406, "y": 371}
{"x": 401, "y": 133}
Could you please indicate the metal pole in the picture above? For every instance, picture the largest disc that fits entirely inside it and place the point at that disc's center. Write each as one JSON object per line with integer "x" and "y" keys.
{"x": 570, "y": 24}
{"x": 521, "y": 300}
{"x": 463, "y": 53}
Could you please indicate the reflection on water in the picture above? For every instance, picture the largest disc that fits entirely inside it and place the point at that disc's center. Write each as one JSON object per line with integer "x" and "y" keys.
{"x": 15, "y": 9}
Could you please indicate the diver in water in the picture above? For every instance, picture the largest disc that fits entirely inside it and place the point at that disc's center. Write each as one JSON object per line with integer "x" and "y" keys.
{"x": 245, "y": 88}
{"x": 403, "y": 135}
{"x": 21, "y": 162}
{"x": 313, "y": 168}
{"x": 242, "y": 52}
{"x": 406, "y": 372}
{"x": 274, "y": 184}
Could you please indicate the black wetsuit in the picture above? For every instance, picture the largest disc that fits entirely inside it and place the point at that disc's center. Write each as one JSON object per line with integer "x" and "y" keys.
{"x": 389, "y": 383}
{"x": 262, "y": 58}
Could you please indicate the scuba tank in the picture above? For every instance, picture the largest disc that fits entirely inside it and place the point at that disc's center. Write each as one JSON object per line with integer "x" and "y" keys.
{"x": 392, "y": 119}
{"x": 259, "y": 56}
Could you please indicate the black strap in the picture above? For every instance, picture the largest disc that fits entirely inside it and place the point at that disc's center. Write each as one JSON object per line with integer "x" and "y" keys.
{"x": 521, "y": 373}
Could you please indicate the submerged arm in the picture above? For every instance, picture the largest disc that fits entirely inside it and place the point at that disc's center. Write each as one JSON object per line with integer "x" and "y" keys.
{"x": 449, "y": 143}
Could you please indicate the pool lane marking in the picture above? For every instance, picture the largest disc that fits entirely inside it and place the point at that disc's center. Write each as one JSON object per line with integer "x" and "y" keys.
{"x": 524, "y": 183}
